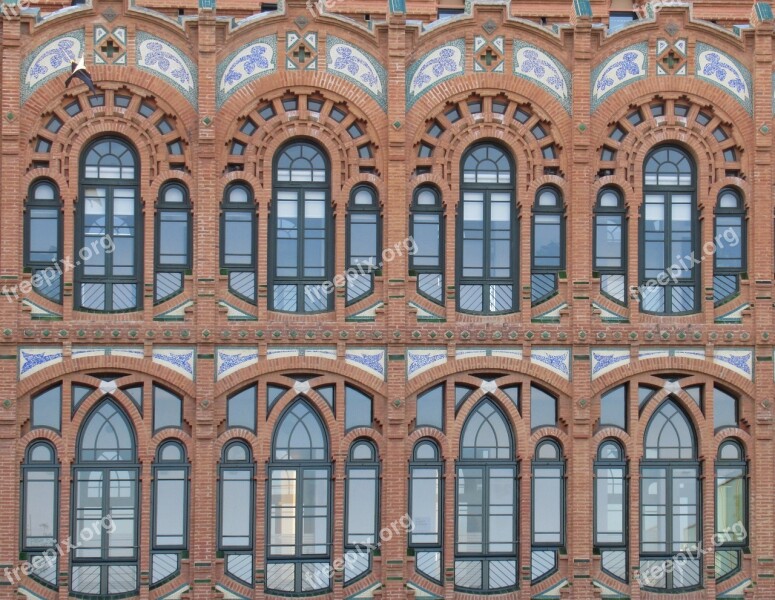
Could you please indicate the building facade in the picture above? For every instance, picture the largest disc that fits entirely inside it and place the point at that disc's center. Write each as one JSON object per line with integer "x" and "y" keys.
{"x": 355, "y": 299}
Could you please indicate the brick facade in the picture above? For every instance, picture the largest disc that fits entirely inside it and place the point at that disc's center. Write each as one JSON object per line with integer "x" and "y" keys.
{"x": 381, "y": 93}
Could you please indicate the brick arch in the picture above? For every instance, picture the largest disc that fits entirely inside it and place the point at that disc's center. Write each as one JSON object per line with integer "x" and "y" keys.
{"x": 520, "y": 431}
{"x": 691, "y": 410}
{"x": 733, "y": 433}
{"x": 361, "y": 433}
{"x": 323, "y": 411}
{"x": 47, "y": 435}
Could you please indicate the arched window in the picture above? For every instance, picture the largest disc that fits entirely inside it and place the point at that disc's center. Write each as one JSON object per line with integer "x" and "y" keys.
{"x": 172, "y": 240}
{"x": 486, "y": 503}
{"x": 299, "y": 499}
{"x": 427, "y": 231}
{"x": 43, "y": 239}
{"x": 548, "y": 509}
{"x": 669, "y": 231}
{"x": 611, "y": 509}
{"x": 487, "y": 268}
{"x": 362, "y": 509}
{"x": 236, "y": 504}
{"x": 425, "y": 508}
{"x": 669, "y": 502}
{"x": 301, "y": 232}
{"x": 40, "y": 511}
{"x": 239, "y": 239}
{"x": 105, "y": 506}
{"x": 548, "y": 243}
{"x": 731, "y": 508}
{"x": 364, "y": 242}
{"x": 729, "y": 258}
{"x": 109, "y": 228}
{"x": 610, "y": 255}
{"x": 169, "y": 523}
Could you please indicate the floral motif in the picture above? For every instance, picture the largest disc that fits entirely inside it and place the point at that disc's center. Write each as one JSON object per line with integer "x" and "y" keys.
{"x": 50, "y": 59}
{"x": 161, "y": 58}
{"x": 350, "y": 62}
{"x": 57, "y": 57}
{"x": 229, "y": 360}
{"x": 623, "y": 68}
{"x": 542, "y": 68}
{"x": 420, "y": 360}
{"x": 31, "y": 360}
{"x": 740, "y": 361}
{"x": 435, "y": 67}
{"x": 183, "y": 361}
{"x": 255, "y": 60}
{"x": 370, "y": 360}
{"x": 723, "y": 71}
{"x": 715, "y": 67}
{"x": 246, "y": 64}
{"x": 534, "y": 63}
{"x": 157, "y": 55}
{"x": 604, "y": 360}
{"x": 347, "y": 60}
{"x": 557, "y": 361}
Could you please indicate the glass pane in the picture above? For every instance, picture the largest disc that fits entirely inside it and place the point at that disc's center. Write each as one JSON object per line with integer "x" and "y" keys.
{"x": 361, "y": 506}
{"x": 40, "y": 508}
{"x": 47, "y": 408}
{"x": 167, "y": 409}
{"x": 425, "y": 505}
{"x": 241, "y": 409}
{"x": 547, "y": 505}
{"x": 613, "y": 407}
{"x": 543, "y": 409}
{"x": 430, "y": 408}
{"x": 236, "y": 503}
{"x": 357, "y": 409}
{"x": 170, "y": 507}
{"x": 609, "y": 507}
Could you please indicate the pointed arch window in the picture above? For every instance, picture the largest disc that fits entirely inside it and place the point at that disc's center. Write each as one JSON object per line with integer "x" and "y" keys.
{"x": 40, "y": 511}
{"x": 611, "y": 509}
{"x": 669, "y": 279}
{"x": 301, "y": 231}
{"x": 427, "y": 230}
{"x": 239, "y": 227}
{"x": 43, "y": 239}
{"x": 548, "y": 509}
{"x": 109, "y": 228}
{"x": 548, "y": 243}
{"x": 236, "y": 504}
{"x": 487, "y": 268}
{"x": 172, "y": 240}
{"x": 362, "y": 509}
{"x": 364, "y": 242}
{"x": 105, "y": 506}
{"x": 169, "y": 522}
{"x": 486, "y": 503}
{"x": 299, "y": 504}
{"x": 731, "y": 508}
{"x": 426, "y": 494}
{"x": 669, "y": 502}
{"x": 729, "y": 258}
{"x": 610, "y": 256}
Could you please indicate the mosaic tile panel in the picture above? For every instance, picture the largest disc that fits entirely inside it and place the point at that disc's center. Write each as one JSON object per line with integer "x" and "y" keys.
{"x": 161, "y": 58}
{"x": 250, "y": 62}
{"x": 544, "y": 69}
{"x": 432, "y": 69}
{"x": 724, "y": 72}
{"x": 623, "y": 68}
{"x": 358, "y": 66}
{"x": 49, "y": 60}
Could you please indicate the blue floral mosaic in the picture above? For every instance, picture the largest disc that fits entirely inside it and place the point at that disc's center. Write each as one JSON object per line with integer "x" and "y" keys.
{"x": 740, "y": 361}
{"x": 358, "y": 66}
{"x": 370, "y": 360}
{"x": 545, "y": 70}
{"x": 607, "y": 360}
{"x": 625, "y": 67}
{"x": 178, "y": 360}
{"x": 725, "y": 72}
{"x": 435, "y": 67}
{"x": 421, "y": 360}
{"x": 556, "y": 360}
{"x": 163, "y": 59}
{"x": 250, "y": 62}
{"x": 49, "y": 60}
{"x": 229, "y": 360}
{"x": 31, "y": 361}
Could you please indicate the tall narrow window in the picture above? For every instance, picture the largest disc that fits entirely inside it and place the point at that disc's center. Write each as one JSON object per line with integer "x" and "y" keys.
{"x": 731, "y": 508}
{"x": 46, "y": 409}
{"x": 364, "y": 242}
{"x": 425, "y": 508}
{"x": 362, "y": 510}
{"x": 108, "y": 229}
{"x": 238, "y": 240}
{"x": 610, "y": 257}
{"x": 427, "y": 231}
{"x": 236, "y": 506}
{"x": 172, "y": 240}
{"x": 40, "y": 511}
{"x": 730, "y": 245}
{"x": 487, "y": 245}
{"x": 105, "y": 506}
{"x": 299, "y": 512}
{"x": 548, "y": 509}
{"x": 548, "y": 244}
{"x": 669, "y": 503}
{"x": 486, "y": 523}
{"x": 669, "y": 279}
{"x": 611, "y": 509}
{"x": 43, "y": 239}
{"x": 301, "y": 232}
{"x": 169, "y": 535}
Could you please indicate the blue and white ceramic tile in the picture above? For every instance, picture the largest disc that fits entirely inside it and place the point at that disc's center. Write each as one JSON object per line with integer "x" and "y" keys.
{"x": 695, "y": 353}
{"x": 435, "y": 67}
{"x": 514, "y": 353}
{"x": 230, "y": 360}
{"x": 623, "y": 68}
{"x": 371, "y": 360}
{"x": 605, "y": 360}
{"x": 659, "y": 352}
{"x": 100, "y": 33}
{"x": 647, "y": 353}
{"x": 358, "y": 66}
{"x": 725, "y": 72}
{"x": 328, "y": 353}
{"x": 556, "y": 360}
{"x": 422, "y": 359}
{"x": 162, "y": 58}
{"x": 32, "y": 360}
{"x": 463, "y": 353}
{"x": 246, "y": 64}
{"x": 91, "y": 351}
{"x": 739, "y": 361}
{"x": 543, "y": 69}
{"x": 49, "y": 60}
{"x": 180, "y": 360}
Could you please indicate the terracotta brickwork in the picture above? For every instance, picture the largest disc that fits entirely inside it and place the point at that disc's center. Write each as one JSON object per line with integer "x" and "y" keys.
{"x": 208, "y": 95}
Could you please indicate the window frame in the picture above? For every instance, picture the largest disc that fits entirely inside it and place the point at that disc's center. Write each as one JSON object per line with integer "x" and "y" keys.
{"x": 436, "y": 209}
{"x": 250, "y": 208}
{"x": 162, "y": 206}
{"x": 35, "y": 203}
{"x": 600, "y": 464}
{"x": 353, "y": 464}
{"x": 363, "y": 269}
{"x": 621, "y": 211}
{"x": 538, "y": 211}
{"x": 725, "y": 463}
{"x": 739, "y": 212}
{"x": 538, "y": 464}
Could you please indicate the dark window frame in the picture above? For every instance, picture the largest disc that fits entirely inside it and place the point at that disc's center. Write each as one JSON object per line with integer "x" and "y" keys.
{"x": 556, "y": 270}
{"x": 354, "y": 464}
{"x": 602, "y": 463}
{"x": 183, "y": 207}
{"x": 621, "y": 212}
{"x": 436, "y": 209}
{"x": 249, "y": 207}
{"x": 738, "y": 212}
{"x": 537, "y": 465}
{"x": 436, "y": 464}
{"x": 369, "y": 270}
{"x": 36, "y": 203}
